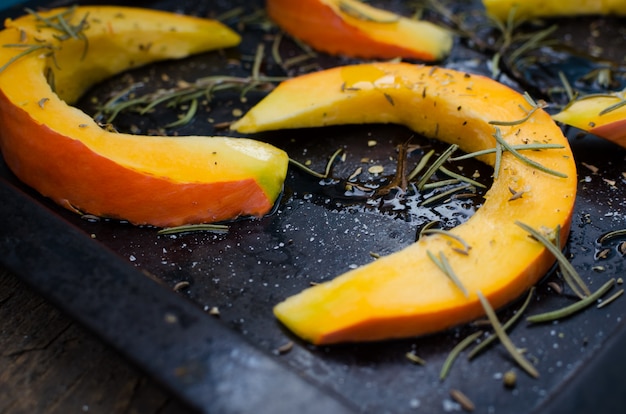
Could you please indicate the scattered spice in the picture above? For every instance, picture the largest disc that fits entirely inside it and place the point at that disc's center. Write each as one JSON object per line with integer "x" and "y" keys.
{"x": 285, "y": 348}
{"x": 462, "y": 399}
{"x": 509, "y": 379}
{"x": 414, "y": 358}
{"x": 182, "y": 285}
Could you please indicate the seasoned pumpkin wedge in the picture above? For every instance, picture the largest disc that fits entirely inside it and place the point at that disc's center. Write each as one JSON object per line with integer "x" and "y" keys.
{"x": 352, "y": 28}
{"x": 406, "y": 294}
{"x": 501, "y": 9}
{"x": 61, "y": 152}
{"x": 601, "y": 115}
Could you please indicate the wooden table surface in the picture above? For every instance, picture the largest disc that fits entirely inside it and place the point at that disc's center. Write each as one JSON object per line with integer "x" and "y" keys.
{"x": 49, "y": 364}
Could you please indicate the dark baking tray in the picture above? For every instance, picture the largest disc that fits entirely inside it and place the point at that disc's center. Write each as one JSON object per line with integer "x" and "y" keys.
{"x": 118, "y": 280}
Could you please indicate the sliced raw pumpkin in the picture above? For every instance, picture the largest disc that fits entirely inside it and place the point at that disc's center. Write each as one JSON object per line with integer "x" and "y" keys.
{"x": 352, "y": 28}
{"x": 61, "y": 152}
{"x": 601, "y": 115}
{"x": 524, "y": 9}
{"x": 406, "y": 294}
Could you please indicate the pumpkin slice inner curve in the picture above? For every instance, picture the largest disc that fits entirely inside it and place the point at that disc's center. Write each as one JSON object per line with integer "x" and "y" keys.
{"x": 406, "y": 293}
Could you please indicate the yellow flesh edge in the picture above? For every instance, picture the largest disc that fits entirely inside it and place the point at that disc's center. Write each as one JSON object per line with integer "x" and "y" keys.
{"x": 432, "y": 38}
{"x": 501, "y": 9}
{"x": 585, "y": 113}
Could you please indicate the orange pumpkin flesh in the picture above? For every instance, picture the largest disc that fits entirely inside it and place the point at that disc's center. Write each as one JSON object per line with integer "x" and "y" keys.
{"x": 327, "y": 27}
{"x": 406, "y": 294}
{"x": 163, "y": 181}
{"x": 588, "y": 114}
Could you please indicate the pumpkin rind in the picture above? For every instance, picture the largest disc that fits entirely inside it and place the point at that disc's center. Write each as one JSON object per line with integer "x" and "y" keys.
{"x": 163, "y": 181}
{"x": 406, "y": 294}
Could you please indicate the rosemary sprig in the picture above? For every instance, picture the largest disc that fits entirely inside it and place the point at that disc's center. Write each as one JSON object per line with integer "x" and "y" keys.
{"x": 569, "y": 273}
{"x": 420, "y": 165}
{"x": 534, "y": 106}
{"x": 498, "y": 136}
{"x": 504, "y": 338}
{"x": 327, "y": 170}
{"x": 435, "y": 166}
{"x": 444, "y": 194}
{"x": 573, "y": 308}
{"x": 613, "y": 107}
{"x": 466, "y": 247}
{"x": 461, "y": 177}
{"x": 520, "y": 147}
{"x": 491, "y": 338}
{"x": 456, "y": 351}
{"x": 350, "y": 10}
{"x": 442, "y": 263}
{"x": 217, "y": 228}
{"x": 28, "y": 49}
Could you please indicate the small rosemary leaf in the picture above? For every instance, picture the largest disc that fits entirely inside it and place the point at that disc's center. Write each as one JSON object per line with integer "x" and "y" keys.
{"x": 218, "y": 228}
{"x": 435, "y": 166}
{"x": 504, "y": 338}
{"x": 571, "y": 275}
{"x": 442, "y": 263}
{"x": 498, "y": 136}
{"x": 491, "y": 338}
{"x": 461, "y": 177}
{"x": 521, "y": 147}
{"x": 466, "y": 246}
{"x": 610, "y": 299}
{"x": 352, "y": 11}
{"x": 456, "y": 351}
{"x": 613, "y": 107}
{"x": 444, "y": 194}
{"x": 421, "y": 165}
{"x": 573, "y": 308}
{"x": 462, "y": 399}
{"x": 414, "y": 358}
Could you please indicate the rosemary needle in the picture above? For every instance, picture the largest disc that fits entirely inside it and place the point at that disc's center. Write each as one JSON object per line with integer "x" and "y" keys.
{"x": 452, "y": 356}
{"x": 442, "y": 263}
{"x": 504, "y": 338}
{"x": 490, "y": 339}
{"x": 435, "y": 166}
{"x": 573, "y": 308}
{"x": 498, "y": 136}
{"x": 466, "y": 246}
{"x": 219, "y": 228}
{"x": 610, "y": 299}
{"x": 567, "y": 269}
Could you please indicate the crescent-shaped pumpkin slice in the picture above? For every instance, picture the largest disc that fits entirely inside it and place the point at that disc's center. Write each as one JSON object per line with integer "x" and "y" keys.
{"x": 353, "y": 28}
{"x": 61, "y": 152}
{"x": 406, "y": 294}
{"x": 601, "y": 115}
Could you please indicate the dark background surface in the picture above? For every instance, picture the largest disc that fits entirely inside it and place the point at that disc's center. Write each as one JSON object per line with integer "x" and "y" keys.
{"x": 119, "y": 280}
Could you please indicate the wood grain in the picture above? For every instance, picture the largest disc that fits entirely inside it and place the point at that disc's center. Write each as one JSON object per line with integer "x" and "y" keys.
{"x": 49, "y": 364}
